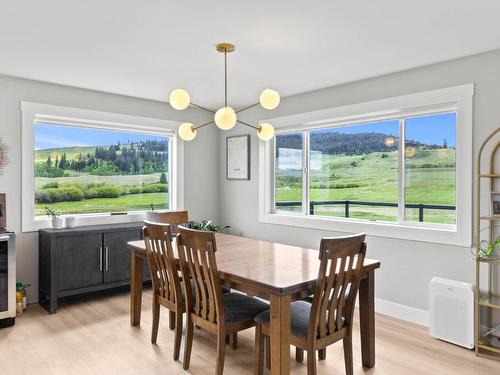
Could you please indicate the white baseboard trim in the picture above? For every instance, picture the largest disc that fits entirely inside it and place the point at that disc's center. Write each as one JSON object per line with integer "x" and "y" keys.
{"x": 403, "y": 312}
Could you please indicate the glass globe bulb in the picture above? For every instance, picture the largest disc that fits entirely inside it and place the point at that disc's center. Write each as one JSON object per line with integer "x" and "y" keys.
{"x": 179, "y": 99}
{"x": 265, "y": 132}
{"x": 187, "y": 132}
{"x": 269, "y": 99}
{"x": 225, "y": 118}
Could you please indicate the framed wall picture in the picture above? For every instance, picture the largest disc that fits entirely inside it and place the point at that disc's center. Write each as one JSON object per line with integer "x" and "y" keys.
{"x": 3, "y": 214}
{"x": 238, "y": 157}
{"x": 495, "y": 203}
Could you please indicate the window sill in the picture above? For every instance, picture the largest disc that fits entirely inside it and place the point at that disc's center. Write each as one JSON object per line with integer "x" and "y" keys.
{"x": 439, "y": 233}
{"x": 83, "y": 220}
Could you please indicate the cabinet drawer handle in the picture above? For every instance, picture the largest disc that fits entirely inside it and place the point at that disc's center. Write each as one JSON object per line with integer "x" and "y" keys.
{"x": 106, "y": 249}
{"x": 100, "y": 258}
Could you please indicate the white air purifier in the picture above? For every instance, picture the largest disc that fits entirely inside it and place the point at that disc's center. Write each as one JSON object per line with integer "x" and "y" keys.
{"x": 451, "y": 311}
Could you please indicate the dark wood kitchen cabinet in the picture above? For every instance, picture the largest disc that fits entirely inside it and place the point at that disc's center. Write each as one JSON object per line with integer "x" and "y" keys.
{"x": 83, "y": 260}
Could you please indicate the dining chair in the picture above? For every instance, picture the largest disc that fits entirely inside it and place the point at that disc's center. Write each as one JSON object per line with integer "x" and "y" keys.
{"x": 174, "y": 218}
{"x": 210, "y": 309}
{"x": 165, "y": 279}
{"x": 328, "y": 319}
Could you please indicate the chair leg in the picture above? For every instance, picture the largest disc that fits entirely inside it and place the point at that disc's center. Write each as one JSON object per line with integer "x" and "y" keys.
{"x": 259, "y": 351}
{"x": 311, "y": 362}
{"x": 348, "y": 355}
{"x": 171, "y": 321}
{"x": 234, "y": 340}
{"x": 299, "y": 355}
{"x": 156, "y": 321}
{"x": 267, "y": 340}
{"x": 189, "y": 343}
{"x": 221, "y": 353}
{"x": 322, "y": 354}
{"x": 178, "y": 335}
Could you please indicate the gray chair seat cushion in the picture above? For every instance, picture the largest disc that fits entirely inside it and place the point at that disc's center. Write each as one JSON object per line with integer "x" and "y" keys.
{"x": 240, "y": 308}
{"x": 300, "y": 311}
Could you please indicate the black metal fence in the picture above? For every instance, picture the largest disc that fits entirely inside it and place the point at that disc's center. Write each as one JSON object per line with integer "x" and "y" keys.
{"x": 348, "y": 203}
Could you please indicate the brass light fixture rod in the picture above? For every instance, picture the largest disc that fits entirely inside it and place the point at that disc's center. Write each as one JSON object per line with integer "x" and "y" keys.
{"x": 249, "y": 125}
{"x": 201, "y": 107}
{"x": 225, "y": 79}
{"x": 202, "y": 125}
{"x": 225, "y": 48}
{"x": 247, "y": 107}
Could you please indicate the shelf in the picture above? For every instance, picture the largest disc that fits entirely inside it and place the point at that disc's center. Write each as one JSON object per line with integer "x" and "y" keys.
{"x": 488, "y": 175}
{"x": 492, "y": 301}
{"x": 490, "y": 218}
{"x": 489, "y": 342}
{"x": 489, "y": 260}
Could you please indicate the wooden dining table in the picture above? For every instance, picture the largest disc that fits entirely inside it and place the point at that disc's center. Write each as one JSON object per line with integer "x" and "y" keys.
{"x": 277, "y": 273}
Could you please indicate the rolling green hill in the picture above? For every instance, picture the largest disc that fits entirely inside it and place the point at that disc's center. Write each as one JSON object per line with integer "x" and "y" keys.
{"x": 71, "y": 153}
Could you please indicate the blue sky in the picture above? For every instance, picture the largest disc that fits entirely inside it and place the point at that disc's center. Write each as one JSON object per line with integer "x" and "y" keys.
{"x": 57, "y": 136}
{"x": 433, "y": 129}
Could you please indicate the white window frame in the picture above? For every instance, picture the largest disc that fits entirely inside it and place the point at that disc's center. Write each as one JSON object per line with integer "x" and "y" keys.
{"x": 33, "y": 113}
{"x": 458, "y": 99}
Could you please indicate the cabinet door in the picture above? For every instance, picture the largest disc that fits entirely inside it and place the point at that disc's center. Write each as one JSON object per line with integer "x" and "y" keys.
{"x": 117, "y": 254}
{"x": 79, "y": 261}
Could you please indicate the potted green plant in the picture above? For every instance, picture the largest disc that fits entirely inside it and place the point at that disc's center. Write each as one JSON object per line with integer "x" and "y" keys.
{"x": 207, "y": 225}
{"x": 487, "y": 248}
{"x": 55, "y": 218}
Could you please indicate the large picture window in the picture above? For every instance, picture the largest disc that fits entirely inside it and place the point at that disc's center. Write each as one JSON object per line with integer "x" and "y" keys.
{"x": 398, "y": 167}
{"x": 82, "y": 170}
{"x": 353, "y": 170}
{"x": 100, "y": 166}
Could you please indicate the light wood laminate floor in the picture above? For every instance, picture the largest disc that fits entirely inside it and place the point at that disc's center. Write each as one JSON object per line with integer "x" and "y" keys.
{"x": 93, "y": 336}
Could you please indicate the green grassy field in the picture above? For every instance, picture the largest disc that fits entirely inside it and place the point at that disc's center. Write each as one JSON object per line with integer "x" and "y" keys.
{"x": 131, "y": 202}
{"x": 85, "y": 178}
{"x": 430, "y": 179}
{"x": 135, "y": 202}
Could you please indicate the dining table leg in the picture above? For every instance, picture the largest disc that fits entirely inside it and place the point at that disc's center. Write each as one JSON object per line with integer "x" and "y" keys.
{"x": 280, "y": 334}
{"x": 136, "y": 278}
{"x": 367, "y": 319}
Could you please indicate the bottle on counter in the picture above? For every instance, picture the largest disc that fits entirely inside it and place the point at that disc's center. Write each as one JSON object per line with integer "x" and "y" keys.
{"x": 22, "y": 288}
{"x": 19, "y": 300}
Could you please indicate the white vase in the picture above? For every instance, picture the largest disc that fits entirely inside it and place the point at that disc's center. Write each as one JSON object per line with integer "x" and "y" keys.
{"x": 71, "y": 221}
{"x": 57, "y": 223}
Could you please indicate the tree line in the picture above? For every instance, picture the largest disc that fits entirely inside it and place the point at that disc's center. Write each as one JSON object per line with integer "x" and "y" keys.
{"x": 124, "y": 159}
{"x": 349, "y": 144}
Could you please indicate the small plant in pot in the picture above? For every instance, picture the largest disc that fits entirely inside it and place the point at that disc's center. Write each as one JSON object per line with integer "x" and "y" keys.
{"x": 55, "y": 218}
{"x": 208, "y": 226}
{"x": 150, "y": 214}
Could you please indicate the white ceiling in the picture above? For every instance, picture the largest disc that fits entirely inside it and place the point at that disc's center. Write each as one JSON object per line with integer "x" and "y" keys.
{"x": 146, "y": 48}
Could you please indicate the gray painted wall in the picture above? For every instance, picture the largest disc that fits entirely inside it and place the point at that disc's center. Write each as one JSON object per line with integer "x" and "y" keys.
{"x": 407, "y": 266}
{"x": 199, "y": 174}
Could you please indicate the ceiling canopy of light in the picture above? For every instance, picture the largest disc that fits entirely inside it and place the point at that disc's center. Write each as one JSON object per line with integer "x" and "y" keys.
{"x": 226, "y": 117}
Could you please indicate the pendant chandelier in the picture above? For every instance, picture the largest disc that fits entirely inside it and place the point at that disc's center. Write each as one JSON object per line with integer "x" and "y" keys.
{"x": 226, "y": 117}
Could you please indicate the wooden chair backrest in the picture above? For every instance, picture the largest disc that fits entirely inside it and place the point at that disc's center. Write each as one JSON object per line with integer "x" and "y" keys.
{"x": 197, "y": 250}
{"x": 174, "y": 218}
{"x": 162, "y": 263}
{"x": 338, "y": 284}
